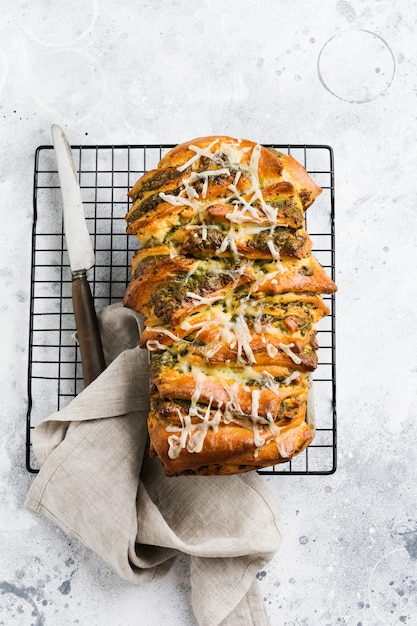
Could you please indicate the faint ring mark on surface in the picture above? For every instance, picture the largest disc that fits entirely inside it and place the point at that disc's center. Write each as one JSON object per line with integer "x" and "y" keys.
{"x": 46, "y": 24}
{"x": 68, "y": 83}
{"x": 356, "y": 66}
{"x": 392, "y": 588}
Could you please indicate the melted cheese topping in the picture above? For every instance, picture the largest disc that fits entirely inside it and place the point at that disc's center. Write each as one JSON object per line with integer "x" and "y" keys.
{"x": 274, "y": 251}
{"x": 176, "y": 200}
{"x": 205, "y": 177}
{"x": 191, "y": 432}
{"x": 291, "y": 377}
{"x": 153, "y": 344}
{"x": 199, "y": 152}
{"x": 192, "y": 435}
{"x": 233, "y": 153}
{"x": 235, "y": 321}
{"x": 287, "y": 349}
{"x": 165, "y": 331}
{"x": 230, "y": 156}
{"x": 229, "y": 242}
{"x": 196, "y": 296}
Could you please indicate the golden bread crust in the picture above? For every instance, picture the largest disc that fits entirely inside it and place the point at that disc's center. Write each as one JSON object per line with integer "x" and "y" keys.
{"x": 231, "y": 293}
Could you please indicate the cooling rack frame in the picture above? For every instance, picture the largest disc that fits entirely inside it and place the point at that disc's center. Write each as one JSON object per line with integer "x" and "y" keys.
{"x": 106, "y": 172}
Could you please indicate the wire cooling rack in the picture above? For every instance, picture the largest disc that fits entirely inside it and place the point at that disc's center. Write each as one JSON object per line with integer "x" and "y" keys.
{"x": 105, "y": 174}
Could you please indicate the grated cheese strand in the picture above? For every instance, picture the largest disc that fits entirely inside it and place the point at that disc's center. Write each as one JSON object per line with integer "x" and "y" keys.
{"x": 163, "y": 331}
{"x": 229, "y": 242}
{"x": 291, "y": 377}
{"x": 274, "y": 251}
{"x": 202, "y": 299}
{"x": 287, "y": 349}
{"x": 153, "y": 344}
{"x": 199, "y": 152}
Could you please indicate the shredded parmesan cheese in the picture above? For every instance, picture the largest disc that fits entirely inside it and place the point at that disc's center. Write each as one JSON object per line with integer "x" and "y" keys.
{"x": 199, "y": 152}
{"x": 287, "y": 349}
{"x": 241, "y": 326}
{"x": 254, "y": 162}
{"x": 229, "y": 241}
{"x": 176, "y": 200}
{"x": 274, "y": 251}
{"x": 291, "y": 377}
{"x": 153, "y": 344}
{"x": 271, "y": 350}
{"x": 164, "y": 331}
{"x": 195, "y": 296}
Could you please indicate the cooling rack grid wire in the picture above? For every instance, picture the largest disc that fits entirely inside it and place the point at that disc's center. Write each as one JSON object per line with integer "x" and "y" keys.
{"x": 105, "y": 174}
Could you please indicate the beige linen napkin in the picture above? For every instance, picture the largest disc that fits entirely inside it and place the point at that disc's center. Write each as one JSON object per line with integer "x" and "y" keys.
{"x": 99, "y": 485}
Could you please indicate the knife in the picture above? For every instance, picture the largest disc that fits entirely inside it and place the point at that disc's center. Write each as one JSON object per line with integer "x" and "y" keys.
{"x": 81, "y": 259}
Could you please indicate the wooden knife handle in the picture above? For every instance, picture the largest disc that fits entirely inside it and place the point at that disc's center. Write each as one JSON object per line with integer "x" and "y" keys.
{"x": 88, "y": 333}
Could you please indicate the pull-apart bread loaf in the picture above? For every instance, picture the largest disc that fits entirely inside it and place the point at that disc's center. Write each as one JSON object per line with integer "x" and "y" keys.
{"x": 230, "y": 291}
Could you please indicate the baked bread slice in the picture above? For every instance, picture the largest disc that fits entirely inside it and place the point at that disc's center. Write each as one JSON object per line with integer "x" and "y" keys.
{"x": 231, "y": 294}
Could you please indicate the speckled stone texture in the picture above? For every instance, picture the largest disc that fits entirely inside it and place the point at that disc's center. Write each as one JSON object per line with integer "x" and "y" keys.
{"x": 341, "y": 73}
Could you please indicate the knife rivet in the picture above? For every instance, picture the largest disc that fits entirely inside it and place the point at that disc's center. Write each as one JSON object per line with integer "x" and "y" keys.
{"x": 77, "y": 275}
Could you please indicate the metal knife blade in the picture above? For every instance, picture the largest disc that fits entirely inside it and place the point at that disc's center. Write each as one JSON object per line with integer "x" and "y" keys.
{"x": 80, "y": 250}
{"x": 81, "y": 258}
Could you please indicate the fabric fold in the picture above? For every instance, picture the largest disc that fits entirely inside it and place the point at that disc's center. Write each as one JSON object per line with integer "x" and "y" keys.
{"x": 99, "y": 485}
